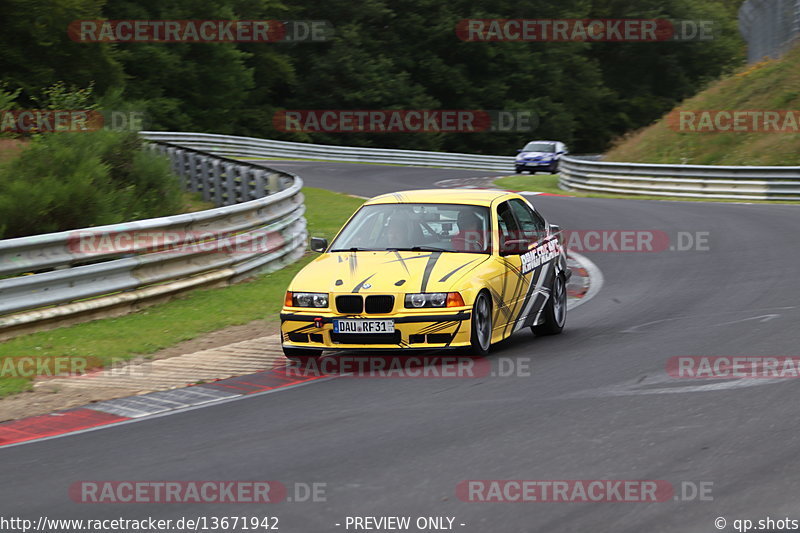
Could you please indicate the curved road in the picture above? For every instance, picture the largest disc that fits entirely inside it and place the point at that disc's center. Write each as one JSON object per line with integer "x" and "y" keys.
{"x": 596, "y": 405}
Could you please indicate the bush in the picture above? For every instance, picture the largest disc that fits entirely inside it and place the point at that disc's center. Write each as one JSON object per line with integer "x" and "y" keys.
{"x": 67, "y": 181}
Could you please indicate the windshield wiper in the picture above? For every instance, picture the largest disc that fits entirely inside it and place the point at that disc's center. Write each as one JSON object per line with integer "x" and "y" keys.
{"x": 354, "y": 249}
{"x": 419, "y": 249}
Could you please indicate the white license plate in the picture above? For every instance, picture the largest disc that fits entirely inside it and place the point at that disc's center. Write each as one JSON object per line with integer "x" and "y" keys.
{"x": 357, "y": 325}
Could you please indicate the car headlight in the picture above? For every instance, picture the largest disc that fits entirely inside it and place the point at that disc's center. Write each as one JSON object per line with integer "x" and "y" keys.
{"x": 306, "y": 299}
{"x": 433, "y": 299}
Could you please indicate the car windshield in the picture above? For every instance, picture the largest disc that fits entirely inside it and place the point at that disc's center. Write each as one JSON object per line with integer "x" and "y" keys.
{"x": 417, "y": 227}
{"x": 539, "y": 147}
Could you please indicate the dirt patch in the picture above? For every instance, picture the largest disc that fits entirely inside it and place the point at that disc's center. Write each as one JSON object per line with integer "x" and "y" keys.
{"x": 10, "y": 148}
{"x": 216, "y": 339}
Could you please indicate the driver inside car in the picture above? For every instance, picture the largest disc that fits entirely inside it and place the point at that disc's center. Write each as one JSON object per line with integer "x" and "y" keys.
{"x": 470, "y": 235}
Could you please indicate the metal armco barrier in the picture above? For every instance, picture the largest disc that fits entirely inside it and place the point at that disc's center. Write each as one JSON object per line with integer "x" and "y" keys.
{"x": 581, "y": 173}
{"x": 770, "y": 27}
{"x": 261, "y": 148}
{"x": 689, "y": 181}
{"x": 259, "y": 227}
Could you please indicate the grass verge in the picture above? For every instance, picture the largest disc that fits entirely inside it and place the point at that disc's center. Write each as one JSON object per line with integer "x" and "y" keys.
{"x": 193, "y": 314}
{"x": 770, "y": 85}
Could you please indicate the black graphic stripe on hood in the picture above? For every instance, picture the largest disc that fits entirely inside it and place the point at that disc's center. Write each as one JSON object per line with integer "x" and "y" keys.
{"x": 361, "y": 285}
{"x": 428, "y": 269}
{"x": 353, "y": 258}
{"x": 402, "y": 261}
{"x": 447, "y": 276}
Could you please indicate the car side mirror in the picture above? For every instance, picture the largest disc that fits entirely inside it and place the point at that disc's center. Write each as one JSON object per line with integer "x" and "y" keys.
{"x": 561, "y": 153}
{"x": 555, "y": 228}
{"x": 519, "y": 151}
{"x": 318, "y": 244}
{"x": 515, "y": 246}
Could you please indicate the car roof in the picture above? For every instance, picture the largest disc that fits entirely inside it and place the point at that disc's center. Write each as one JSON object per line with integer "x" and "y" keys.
{"x": 483, "y": 197}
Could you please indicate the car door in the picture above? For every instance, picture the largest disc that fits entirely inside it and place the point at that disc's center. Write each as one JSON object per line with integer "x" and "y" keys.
{"x": 537, "y": 262}
{"x": 510, "y": 286}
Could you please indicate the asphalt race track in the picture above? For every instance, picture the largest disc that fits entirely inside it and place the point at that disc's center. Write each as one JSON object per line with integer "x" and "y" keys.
{"x": 597, "y": 405}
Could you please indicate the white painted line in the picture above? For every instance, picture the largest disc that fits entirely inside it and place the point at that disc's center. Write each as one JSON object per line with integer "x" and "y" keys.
{"x": 595, "y": 280}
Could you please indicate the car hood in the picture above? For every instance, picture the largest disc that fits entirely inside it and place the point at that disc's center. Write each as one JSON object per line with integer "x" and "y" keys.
{"x": 536, "y": 154}
{"x": 393, "y": 272}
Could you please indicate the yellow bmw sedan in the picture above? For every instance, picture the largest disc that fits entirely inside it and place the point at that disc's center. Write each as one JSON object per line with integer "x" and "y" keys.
{"x": 429, "y": 269}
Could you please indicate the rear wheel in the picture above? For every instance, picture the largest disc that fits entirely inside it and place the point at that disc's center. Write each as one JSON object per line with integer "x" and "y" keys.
{"x": 555, "y": 310}
{"x": 481, "y": 337}
{"x": 301, "y": 356}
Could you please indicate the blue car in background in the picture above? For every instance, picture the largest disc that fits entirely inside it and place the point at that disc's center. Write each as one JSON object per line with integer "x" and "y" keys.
{"x": 540, "y": 156}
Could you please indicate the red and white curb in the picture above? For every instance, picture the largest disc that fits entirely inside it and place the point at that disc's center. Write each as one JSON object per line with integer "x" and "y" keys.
{"x": 127, "y": 409}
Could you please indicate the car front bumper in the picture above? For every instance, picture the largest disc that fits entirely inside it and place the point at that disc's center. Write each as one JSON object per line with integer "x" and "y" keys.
{"x": 521, "y": 164}
{"x": 436, "y": 328}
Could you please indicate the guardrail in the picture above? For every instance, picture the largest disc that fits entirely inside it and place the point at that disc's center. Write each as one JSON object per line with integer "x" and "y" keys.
{"x": 583, "y": 173}
{"x": 770, "y": 27}
{"x": 86, "y": 272}
{"x": 689, "y": 181}
{"x": 262, "y": 148}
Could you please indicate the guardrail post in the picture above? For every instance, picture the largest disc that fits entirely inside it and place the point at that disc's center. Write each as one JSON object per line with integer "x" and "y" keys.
{"x": 213, "y": 186}
{"x": 191, "y": 172}
{"x": 259, "y": 186}
{"x": 229, "y": 190}
{"x": 274, "y": 183}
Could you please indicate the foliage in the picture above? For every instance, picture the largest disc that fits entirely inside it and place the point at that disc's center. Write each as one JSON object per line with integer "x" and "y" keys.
{"x": 403, "y": 54}
{"x": 72, "y": 180}
{"x": 768, "y": 85}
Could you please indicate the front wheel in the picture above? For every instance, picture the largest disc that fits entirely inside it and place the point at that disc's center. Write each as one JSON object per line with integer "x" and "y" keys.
{"x": 301, "y": 356}
{"x": 481, "y": 337}
{"x": 555, "y": 310}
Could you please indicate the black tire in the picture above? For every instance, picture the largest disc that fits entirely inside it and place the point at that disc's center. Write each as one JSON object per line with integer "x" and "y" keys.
{"x": 301, "y": 356}
{"x": 554, "y": 168}
{"x": 481, "y": 325}
{"x": 518, "y": 170}
{"x": 555, "y": 310}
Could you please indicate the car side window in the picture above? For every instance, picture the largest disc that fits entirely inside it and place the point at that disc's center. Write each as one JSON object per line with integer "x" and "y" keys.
{"x": 507, "y": 222}
{"x": 531, "y": 224}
